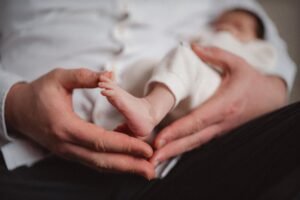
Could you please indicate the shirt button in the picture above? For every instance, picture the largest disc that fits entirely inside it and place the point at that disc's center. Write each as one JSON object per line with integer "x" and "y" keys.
{"x": 120, "y": 33}
{"x": 123, "y": 11}
{"x": 123, "y": 16}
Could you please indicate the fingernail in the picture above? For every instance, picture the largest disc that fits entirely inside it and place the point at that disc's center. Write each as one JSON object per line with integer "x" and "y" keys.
{"x": 161, "y": 143}
{"x": 201, "y": 49}
{"x": 196, "y": 46}
{"x": 206, "y": 51}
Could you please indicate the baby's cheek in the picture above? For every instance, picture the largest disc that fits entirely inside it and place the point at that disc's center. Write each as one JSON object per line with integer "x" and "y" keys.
{"x": 247, "y": 37}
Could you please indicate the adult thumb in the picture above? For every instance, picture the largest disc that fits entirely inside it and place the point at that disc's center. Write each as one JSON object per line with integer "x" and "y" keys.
{"x": 220, "y": 58}
{"x": 77, "y": 78}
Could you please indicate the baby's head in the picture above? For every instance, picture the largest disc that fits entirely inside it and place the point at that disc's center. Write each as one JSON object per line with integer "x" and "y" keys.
{"x": 243, "y": 24}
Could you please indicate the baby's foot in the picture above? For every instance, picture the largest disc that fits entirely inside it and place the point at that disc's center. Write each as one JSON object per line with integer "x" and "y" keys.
{"x": 137, "y": 111}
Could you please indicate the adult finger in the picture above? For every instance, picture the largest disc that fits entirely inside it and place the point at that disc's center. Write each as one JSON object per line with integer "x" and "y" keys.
{"x": 197, "y": 120}
{"x": 123, "y": 128}
{"x": 218, "y": 57}
{"x": 107, "y": 161}
{"x": 100, "y": 140}
{"x": 77, "y": 78}
{"x": 186, "y": 144}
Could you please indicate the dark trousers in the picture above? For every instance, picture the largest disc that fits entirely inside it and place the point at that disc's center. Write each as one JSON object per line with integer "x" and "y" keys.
{"x": 259, "y": 160}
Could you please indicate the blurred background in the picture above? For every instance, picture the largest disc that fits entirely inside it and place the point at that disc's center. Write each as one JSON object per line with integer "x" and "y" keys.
{"x": 286, "y": 15}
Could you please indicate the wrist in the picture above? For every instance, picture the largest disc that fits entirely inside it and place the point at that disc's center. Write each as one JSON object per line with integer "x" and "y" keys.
{"x": 13, "y": 96}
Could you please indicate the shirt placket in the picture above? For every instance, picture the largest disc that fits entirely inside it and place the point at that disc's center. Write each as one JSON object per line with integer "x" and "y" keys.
{"x": 119, "y": 34}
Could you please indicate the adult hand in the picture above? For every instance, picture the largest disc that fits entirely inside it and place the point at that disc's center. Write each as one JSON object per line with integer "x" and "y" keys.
{"x": 243, "y": 95}
{"x": 42, "y": 110}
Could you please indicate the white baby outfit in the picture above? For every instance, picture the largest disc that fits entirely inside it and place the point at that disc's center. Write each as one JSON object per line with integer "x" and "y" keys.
{"x": 38, "y": 36}
{"x": 192, "y": 81}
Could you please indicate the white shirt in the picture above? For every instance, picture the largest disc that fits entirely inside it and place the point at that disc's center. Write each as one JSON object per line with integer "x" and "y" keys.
{"x": 38, "y": 36}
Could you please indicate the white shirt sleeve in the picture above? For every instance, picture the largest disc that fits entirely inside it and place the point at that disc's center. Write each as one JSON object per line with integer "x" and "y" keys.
{"x": 285, "y": 67}
{"x": 6, "y": 82}
{"x": 16, "y": 152}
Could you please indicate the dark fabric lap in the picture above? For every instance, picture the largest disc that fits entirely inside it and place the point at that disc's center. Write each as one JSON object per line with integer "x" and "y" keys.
{"x": 261, "y": 159}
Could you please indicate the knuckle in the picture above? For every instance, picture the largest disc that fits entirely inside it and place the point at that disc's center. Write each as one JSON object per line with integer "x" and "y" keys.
{"x": 57, "y": 71}
{"x": 99, "y": 145}
{"x": 200, "y": 122}
{"x": 235, "y": 108}
{"x": 99, "y": 163}
{"x": 127, "y": 146}
{"x": 102, "y": 163}
{"x": 81, "y": 73}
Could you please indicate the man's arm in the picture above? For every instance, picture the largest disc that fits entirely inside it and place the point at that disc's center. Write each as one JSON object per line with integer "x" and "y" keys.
{"x": 42, "y": 111}
{"x": 6, "y": 82}
{"x": 243, "y": 95}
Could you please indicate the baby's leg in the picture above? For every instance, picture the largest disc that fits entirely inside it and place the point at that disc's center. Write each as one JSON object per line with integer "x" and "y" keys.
{"x": 180, "y": 76}
{"x": 141, "y": 114}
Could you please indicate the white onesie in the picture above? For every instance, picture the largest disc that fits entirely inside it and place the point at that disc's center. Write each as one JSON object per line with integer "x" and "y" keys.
{"x": 191, "y": 80}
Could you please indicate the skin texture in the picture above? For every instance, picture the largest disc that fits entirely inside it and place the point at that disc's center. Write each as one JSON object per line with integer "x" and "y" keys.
{"x": 235, "y": 103}
{"x": 42, "y": 111}
{"x": 141, "y": 114}
{"x": 240, "y": 24}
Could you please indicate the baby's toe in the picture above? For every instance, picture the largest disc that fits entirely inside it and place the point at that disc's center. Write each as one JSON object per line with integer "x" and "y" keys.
{"x": 105, "y": 85}
{"x": 108, "y": 93}
{"x": 104, "y": 78}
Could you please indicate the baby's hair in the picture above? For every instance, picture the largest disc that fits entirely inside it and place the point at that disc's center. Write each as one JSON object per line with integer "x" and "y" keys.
{"x": 260, "y": 28}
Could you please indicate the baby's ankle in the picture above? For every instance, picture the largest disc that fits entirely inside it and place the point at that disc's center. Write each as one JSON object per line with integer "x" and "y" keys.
{"x": 154, "y": 114}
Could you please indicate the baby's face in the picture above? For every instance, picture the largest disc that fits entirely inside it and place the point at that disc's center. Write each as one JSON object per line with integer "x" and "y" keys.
{"x": 239, "y": 24}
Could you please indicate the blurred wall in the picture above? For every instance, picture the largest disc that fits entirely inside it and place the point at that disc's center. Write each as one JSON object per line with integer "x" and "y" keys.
{"x": 286, "y": 15}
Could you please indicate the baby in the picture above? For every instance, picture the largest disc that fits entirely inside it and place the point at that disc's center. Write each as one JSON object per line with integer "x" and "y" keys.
{"x": 182, "y": 81}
